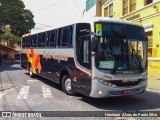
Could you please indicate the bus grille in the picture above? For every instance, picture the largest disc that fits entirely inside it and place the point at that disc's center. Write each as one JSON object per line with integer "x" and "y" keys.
{"x": 120, "y": 83}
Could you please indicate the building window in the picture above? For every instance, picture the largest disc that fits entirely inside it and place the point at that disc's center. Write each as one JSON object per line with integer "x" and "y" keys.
{"x": 132, "y": 5}
{"x": 150, "y": 43}
{"x": 108, "y": 11}
{"x": 111, "y": 10}
{"x": 150, "y": 40}
{"x": 125, "y": 7}
{"x": 146, "y": 2}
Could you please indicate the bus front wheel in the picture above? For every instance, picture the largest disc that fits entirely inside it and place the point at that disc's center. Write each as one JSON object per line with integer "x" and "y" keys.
{"x": 67, "y": 85}
{"x": 31, "y": 74}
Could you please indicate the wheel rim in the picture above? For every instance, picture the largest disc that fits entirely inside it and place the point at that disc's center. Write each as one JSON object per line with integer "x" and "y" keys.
{"x": 68, "y": 84}
{"x": 30, "y": 72}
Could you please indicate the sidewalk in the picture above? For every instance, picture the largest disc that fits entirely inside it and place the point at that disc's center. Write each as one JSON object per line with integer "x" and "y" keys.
{"x": 154, "y": 69}
{"x": 153, "y": 83}
{"x": 154, "y": 75}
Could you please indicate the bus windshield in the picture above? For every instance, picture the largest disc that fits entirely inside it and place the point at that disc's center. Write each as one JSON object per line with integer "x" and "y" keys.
{"x": 121, "y": 47}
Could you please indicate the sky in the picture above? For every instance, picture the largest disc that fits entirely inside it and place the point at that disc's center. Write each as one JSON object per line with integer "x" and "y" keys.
{"x": 55, "y": 12}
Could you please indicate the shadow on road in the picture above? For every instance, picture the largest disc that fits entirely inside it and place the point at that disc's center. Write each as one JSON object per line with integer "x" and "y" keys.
{"x": 146, "y": 101}
{"x": 47, "y": 82}
{"x": 10, "y": 66}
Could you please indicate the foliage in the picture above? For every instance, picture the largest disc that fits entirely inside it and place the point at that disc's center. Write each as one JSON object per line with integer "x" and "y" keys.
{"x": 13, "y": 13}
{"x": 9, "y": 38}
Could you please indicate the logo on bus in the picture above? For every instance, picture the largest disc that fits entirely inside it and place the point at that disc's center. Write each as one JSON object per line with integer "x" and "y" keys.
{"x": 57, "y": 57}
{"x": 107, "y": 77}
{"x": 129, "y": 80}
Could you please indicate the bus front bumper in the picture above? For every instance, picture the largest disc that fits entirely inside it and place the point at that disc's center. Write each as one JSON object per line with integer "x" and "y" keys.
{"x": 100, "y": 90}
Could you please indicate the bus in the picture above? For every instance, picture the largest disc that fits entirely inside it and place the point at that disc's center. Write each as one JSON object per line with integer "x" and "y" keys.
{"x": 99, "y": 57}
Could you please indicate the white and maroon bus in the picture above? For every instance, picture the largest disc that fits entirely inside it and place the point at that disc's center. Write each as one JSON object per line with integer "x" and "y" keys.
{"x": 102, "y": 57}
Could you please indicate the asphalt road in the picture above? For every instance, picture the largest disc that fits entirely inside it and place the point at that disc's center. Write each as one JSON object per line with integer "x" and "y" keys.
{"x": 19, "y": 92}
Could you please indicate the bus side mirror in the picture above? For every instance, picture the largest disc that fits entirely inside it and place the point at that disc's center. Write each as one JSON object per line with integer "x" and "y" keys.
{"x": 94, "y": 44}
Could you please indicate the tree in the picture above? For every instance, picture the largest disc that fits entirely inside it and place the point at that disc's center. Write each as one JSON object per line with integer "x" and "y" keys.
{"x": 13, "y": 13}
{"x": 9, "y": 38}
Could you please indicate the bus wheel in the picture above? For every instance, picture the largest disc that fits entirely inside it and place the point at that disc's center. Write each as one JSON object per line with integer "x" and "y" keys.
{"x": 67, "y": 85}
{"x": 31, "y": 74}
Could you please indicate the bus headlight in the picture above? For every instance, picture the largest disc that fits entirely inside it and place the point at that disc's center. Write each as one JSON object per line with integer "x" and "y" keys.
{"x": 142, "y": 82}
{"x": 105, "y": 82}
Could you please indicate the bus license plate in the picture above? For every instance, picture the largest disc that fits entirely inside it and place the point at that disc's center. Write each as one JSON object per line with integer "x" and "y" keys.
{"x": 127, "y": 91}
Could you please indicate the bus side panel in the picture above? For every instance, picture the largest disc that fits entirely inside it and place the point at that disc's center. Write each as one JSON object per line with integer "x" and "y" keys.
{"x": 81, "y": 81}
{"x": 82, "y": 84}
{"x": 50, "y": 69}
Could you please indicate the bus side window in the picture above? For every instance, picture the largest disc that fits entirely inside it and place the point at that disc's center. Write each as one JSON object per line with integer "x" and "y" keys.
{"x": 23, "y": 42}
{"x": 48, "y": 39}
{"x": 32, "y": 38}
{"x": 66, "y": 38}
{"x": 53, "y": 37}
{"x": 43, "y": 39}
{"x": 35, "y": 40}
{"x": 27, "y": 41}
{"x": 59, "y": 37}
{"x": 39, "y": 40}
{"x": 70, "y": 36}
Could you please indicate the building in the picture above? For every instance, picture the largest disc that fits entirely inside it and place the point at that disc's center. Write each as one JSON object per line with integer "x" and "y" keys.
{"x": 143, "y": 12}
{"x": 9, "y": 52}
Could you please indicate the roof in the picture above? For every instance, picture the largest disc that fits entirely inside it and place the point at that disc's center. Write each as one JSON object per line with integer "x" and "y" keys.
{"x": 6, "y": 48}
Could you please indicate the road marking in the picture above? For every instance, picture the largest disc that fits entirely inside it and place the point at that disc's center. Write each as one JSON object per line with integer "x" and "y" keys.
{"x": 125, "y": 118}
{"x": 1, "y": 94}
{"x": 34, "y": 80}
{"x": 46, "y": 92}
{"x": 23, "y": 94}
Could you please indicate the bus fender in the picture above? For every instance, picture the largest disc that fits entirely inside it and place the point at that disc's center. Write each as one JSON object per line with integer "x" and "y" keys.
{"x": 64, "y": 71}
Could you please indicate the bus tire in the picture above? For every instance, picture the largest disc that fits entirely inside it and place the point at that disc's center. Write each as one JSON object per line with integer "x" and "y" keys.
{"x": 67, "y": 85}
{"x": 31, "y": 74}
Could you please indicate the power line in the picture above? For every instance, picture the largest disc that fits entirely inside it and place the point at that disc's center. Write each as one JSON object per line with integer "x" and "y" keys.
{"x": 76, "y": 4}
{"x": 24, "y": 26}
{"x": 54, "y": 5}
{"x": 43, "y": 24}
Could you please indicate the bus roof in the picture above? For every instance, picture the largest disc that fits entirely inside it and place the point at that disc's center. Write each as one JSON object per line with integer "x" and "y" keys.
{"x": 88, "y": 20}
{"x": 107, "y": 19}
